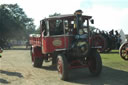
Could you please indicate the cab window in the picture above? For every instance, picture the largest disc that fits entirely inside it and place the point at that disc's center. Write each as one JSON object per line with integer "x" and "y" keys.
{"x": 56, "y": 27}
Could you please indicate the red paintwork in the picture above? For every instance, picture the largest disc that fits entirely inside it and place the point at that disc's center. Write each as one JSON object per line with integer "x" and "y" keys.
{"x": 35, "y": 41}
{"x": 76, "y": 64}
{"x": 49, "y": 47}
{"x": 36, "y": 52}
{"x": 126, "y": 49}
{"x": 80, "y": 66}
{"x": 47, "y": 42}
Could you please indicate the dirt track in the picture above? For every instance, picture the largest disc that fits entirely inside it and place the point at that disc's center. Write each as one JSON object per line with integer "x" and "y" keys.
{"x": 16, "y": 69}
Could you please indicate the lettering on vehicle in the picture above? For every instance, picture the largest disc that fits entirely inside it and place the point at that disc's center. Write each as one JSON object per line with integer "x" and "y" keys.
{"x": 57, "y": 42}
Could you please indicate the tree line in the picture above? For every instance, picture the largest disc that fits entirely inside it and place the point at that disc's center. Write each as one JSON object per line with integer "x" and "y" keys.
{"x": 14, "y": 24}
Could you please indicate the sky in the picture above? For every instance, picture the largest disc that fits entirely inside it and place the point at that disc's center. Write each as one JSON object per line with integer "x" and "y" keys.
{"x": 108, "y": 14}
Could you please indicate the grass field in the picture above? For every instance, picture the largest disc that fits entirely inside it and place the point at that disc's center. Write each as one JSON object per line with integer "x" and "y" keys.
{"x": 114, "y": 60}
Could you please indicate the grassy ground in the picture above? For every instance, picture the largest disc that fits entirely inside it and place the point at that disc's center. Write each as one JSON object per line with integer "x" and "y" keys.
{"x": 114, "y": 60}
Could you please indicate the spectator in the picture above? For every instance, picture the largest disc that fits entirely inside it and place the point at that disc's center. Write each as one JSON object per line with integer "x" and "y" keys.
{"x": 1, "y": 50}
{"x": 27, "y": 44}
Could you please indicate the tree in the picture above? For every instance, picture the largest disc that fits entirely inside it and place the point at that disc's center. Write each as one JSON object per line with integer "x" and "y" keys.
{"x": 14, "y": 23}
{"x": 55, "y": 14}
{"x": 37, "y": 30}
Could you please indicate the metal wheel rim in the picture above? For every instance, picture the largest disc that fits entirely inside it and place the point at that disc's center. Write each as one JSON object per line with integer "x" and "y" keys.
{"x": 59, "y": 66}
{"x": 124, "y": 51}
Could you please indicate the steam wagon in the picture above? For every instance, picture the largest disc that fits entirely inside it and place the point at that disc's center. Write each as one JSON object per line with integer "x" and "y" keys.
{"x": 68, "y": 41}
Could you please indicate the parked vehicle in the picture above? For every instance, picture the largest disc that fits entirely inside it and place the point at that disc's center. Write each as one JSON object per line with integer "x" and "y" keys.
{"x": 107, "y": 40}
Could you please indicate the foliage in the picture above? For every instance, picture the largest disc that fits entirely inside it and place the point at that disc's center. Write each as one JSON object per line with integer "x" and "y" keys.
{"x": 14, "y": 23}
{"x": 55, "y": 14}
{"x": 37, "y": 31}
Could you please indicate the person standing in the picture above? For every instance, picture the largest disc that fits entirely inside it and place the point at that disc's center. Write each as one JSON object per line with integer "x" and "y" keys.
{"x": 1, "y": 50}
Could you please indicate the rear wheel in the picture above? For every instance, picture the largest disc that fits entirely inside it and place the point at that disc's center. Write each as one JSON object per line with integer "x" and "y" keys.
{"x": 95, "y": 63}
{"x": 37, "y": 61}
{"x": 62, "y": 67}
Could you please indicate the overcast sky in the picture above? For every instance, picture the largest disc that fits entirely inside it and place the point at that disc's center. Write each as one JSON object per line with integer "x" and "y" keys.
{"x": 108, "y": 14}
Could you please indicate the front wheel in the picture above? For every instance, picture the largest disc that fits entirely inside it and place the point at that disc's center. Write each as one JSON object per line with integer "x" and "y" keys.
{"x": 62, "y": 67}
{"x": 95, "y": 63}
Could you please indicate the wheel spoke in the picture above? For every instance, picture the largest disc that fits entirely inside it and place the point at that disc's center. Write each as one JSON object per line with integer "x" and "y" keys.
{"x": 124, "y": 54}
{"x": 124, "y": 51}
{"x": 126, "y": 57}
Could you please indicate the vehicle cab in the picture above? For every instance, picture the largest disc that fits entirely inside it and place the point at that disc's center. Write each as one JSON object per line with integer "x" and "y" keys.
{"x": 59, "y": 32}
